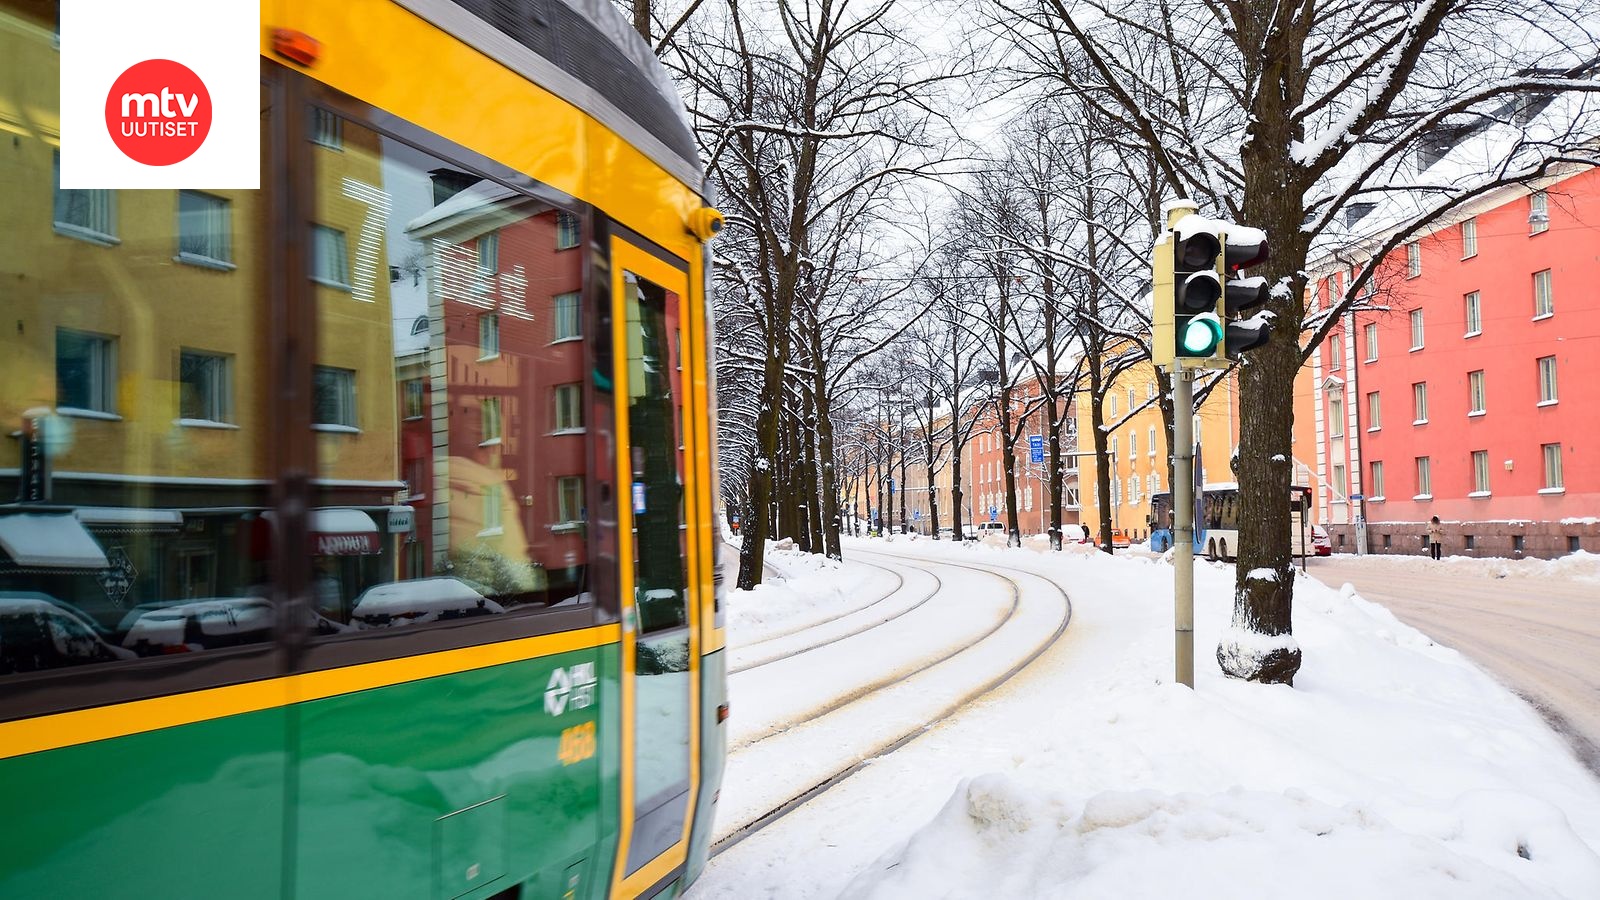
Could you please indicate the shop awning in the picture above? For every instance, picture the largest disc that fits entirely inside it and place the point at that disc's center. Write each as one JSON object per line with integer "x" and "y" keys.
{"x": 343, "y": 532}
{"x": 50, "y": 542}
{"x": 128, "y": 517}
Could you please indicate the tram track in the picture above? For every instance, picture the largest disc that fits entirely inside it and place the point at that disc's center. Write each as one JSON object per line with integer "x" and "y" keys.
{"x": 776, "y": 811}
{"x": 829, "y": 637}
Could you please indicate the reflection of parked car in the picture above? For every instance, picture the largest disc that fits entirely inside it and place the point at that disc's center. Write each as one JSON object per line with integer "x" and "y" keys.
{"x": 40, "y": 634}
{"x": 204, "y": 624}
{"x": 1319, "y": 541}
{"x": 418, "y": 601}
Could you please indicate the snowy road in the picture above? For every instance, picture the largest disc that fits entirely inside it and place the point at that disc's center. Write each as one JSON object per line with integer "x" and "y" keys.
{"x": 811, "y": 705}
{"x": 1541, "y": 636}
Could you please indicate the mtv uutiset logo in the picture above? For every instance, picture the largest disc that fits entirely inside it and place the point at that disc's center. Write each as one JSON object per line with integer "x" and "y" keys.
{"x": 161, "y": 94}
{"x": 158, "y": 112}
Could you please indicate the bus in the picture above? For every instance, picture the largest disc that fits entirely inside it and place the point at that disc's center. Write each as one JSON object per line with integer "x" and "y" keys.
{"x": 1216, "y": 535}
{"x": 356, "y": 534}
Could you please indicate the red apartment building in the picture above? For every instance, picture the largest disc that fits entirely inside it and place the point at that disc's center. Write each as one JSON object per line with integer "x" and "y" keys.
{"x": 983, "y": 470}
{"x": 1473, "y": 397}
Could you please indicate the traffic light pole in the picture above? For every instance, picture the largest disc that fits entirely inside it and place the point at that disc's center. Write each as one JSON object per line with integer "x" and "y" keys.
{"x": 1183, "y": 523}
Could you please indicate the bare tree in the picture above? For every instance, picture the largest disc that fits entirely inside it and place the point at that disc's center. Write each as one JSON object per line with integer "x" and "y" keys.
{"x": 1283, "y": 117}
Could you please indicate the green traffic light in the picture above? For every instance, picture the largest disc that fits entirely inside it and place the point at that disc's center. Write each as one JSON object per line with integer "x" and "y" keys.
{"x": 1200, "y": 335}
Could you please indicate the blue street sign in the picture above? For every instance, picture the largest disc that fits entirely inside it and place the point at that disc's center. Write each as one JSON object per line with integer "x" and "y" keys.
{"x": 993, "y": 514}
{"x": 916, "y": 514}
{"x": 1357, "y": 497}
{"x": 1036, "y": 448}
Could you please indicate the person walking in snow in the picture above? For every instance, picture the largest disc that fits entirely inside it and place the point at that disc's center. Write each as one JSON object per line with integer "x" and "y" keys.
{"x": 1435, "y": 536}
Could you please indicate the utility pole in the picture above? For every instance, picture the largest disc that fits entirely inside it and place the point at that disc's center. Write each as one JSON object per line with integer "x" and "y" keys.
{"x": 1183, "y": 524}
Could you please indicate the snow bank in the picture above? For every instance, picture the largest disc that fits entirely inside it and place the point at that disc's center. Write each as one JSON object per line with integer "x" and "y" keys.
{"x": 800, "y": 588}
{"x": 1581, "y": 565}
{"x": 1393, "y": 768}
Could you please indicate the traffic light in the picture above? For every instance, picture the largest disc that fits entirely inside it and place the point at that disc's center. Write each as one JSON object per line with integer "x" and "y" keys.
{"x": 1242, "y": 296}
{"x": 1199, "y": 299}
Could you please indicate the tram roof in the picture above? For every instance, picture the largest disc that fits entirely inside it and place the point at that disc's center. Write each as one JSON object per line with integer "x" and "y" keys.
{"x": 585, "y": 52}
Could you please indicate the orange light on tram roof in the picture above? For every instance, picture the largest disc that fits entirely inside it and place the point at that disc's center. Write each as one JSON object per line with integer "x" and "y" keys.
{"x": 296, "y": 46}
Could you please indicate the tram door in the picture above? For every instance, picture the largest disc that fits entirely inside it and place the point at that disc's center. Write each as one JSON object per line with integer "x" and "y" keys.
{"x": 660, "y": 650}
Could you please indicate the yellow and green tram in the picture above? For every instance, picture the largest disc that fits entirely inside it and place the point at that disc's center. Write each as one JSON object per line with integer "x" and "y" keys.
{"x": 355, "y": 532}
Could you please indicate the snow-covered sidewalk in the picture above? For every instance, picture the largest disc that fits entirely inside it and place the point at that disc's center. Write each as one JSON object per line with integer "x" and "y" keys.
{"x": 1393, "y": 768}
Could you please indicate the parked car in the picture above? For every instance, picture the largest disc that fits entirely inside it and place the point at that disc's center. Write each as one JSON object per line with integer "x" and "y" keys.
{"x": 177, "y": 627}
{"x": 37, "y": 634}
{"x": 1319, "y": 541}
{"x": 418, "y": 601}
{"x": 987, "y": 528}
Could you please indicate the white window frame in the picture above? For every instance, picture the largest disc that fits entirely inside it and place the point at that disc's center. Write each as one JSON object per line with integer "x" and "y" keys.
{"x": 567, "y": 320}
{"x": 1336, "y": 416}
{"x": 101, "y": 373}
{"x": 1549, "y": 392}
{"x": 1413, "y": 260}
{"x": 1424, "y": 478}
{"x": 412, "y": 389}
{"x": 493, "y": 510}
{"x": 568, "y": 409}
{"x": 330, "y": 257}
{"x": 1538, "y": 212}
{"x": 1477, "y": 393}
{"x": 1419, "y": 403}
{"x": 1418, "y": 330}
{"x": 564, "y": 514}
{"x": 492, "y": 422}
{"x": 1480, "y": 474}
{"x": 488, "y": 252}
{"x": 1374, "y": 411}
{"x": 217, "y": 402}
{"x": 488, "y": 336}
{"x": 1544, "y": 301}
{"x": 95, "y": 207}
{"x": 1377, "y": 480}
{"x": 1473, "y": 301}
{"x": 1469, "y": 238}
{"x": 205, "y": 236}
{"x": 568, "y": 230}
{"x": 1152, "y": 440}
{"x": 1554, "y": 479}
{"x": 345, "y": 384}
{"x": 327, "y": 129}
{"x": 1371, "y": 330}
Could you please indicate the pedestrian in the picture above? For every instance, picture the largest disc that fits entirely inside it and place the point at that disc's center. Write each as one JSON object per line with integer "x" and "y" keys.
{"x": 1085, "y": 532}
{"x": 1435, "y": 536}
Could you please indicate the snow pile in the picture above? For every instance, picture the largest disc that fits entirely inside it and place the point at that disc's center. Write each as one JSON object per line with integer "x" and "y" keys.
{"x": 1393, "y": 767}
{"x": 800, "y": 588}
{"x": 1581, "y": 565}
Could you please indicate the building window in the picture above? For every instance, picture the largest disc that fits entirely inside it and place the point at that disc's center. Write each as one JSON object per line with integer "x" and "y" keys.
{"x": 86, "y": 371}
{"x": 87, "y": 214}
{"x": 1131, "y": 401}
{"x": 1474, "y": 314}
{"x": 1336, "y": 416}
{"x": 413, "y": 398}
{"x": 1113, "y": 453}
{"x": 1552, "y": 468}
{"x": 420, "y": 325}
{"x": 488, "y": 254}
{"x": 205, "y": 387}
{"x": 491, "y": 421}
{"x": 1152, "y": 441}
{"x": 569, "y": 500}
{"x": 1336, "y": 349}
{"x": 1475, "y": 392}
{"x": 1377, "y": 481}
{"x": 1469, "y": 238}
{"x": 1372, "y": 342}
{"x": 1155, "y": 482}
{"x": 1419, "y": 403}
{"x": 569, "y": 408}
{"x": 1416, "y": 329}
{"x": 1424, "y": 477}
{"x": 1480, "y": 472}
{"x": 333, "y": 399}
{"x": 488, "y": 336}
{"x": 1544, "y": 303}
{"x": 327, "y": 129}
{"x": 1538, "y": 212}
{"x": 205, "y": 230}
{"x": 1338, "y": 481}
{"x": 492, "y": 503}
{"x": 1133, "y": 445}
{"x": 1547, "y": 380}
{"x": 330, "y": 263}
{"x": 1472, "y": 541}
{"x": 1111, "y": 405}
{"x": 566, "y": 231}
{"x": 1374, "y": 411}
{"x": 568, "y": 319}
{"x": 1413, "y": 260}
{"x": 1573, "y": 544}
{"x": 1150, "y": 390}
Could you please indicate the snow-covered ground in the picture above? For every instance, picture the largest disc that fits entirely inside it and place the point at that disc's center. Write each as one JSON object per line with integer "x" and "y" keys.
{"x": 1580, "y": 566}
{"x": 1393, "y": 767}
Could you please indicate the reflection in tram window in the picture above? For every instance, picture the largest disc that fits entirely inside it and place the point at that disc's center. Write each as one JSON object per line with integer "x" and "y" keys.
{"x": 133, "y": 430}
{"x": 454, "y": 357}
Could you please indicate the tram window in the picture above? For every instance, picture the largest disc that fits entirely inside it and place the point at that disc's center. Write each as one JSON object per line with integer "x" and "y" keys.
{"x": 451, "y": 496}
{"x": 133, "y": 386}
